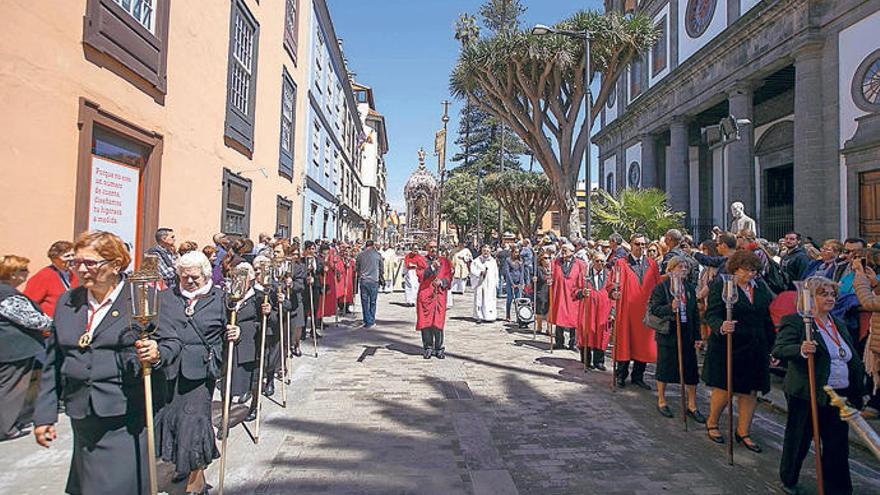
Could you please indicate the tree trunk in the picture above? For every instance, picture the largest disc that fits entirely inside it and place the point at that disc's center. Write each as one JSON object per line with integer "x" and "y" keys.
{"x": 566, "y": 201}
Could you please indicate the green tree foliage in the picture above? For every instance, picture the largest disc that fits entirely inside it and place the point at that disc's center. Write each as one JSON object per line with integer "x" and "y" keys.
{"x": 524, "y": 196}
{"x": 642, "y": 211}
{"x": 535, "y": 85}
{"x": 459, "y": 206}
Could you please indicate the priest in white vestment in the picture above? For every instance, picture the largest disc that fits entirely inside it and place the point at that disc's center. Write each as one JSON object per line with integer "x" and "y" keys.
{"x": 484, "y": 281}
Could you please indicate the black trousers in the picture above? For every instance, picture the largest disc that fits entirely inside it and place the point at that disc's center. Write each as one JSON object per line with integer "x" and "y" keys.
{"x": 638, "y": 370}
{"x": 597, "y": 356}
{"x": 432, "y": 338}
{"x": 834, "y": 435}
{"x": 560, "y": 336}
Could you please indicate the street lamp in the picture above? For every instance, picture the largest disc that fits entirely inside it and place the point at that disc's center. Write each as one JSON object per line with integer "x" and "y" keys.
{"x": 720, "y": 135}
{"x": 543, "y": 30}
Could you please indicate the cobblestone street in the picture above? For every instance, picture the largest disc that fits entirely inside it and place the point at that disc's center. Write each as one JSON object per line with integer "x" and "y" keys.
{"x": 501, "y": 415}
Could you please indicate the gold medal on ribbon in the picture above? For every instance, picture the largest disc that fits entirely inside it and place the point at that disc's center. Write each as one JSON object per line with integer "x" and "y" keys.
{"x": 85, "y": 340}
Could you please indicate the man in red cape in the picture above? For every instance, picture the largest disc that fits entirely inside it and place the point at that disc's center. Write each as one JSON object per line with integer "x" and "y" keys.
{"x": 593, "y": 327}
{"x": 567, "y": 282}
{"x": 633, "y": 341}
{"x": 327, "y": 304}
{"x": 434, "y": 281}
{"x": 344, "y": 268}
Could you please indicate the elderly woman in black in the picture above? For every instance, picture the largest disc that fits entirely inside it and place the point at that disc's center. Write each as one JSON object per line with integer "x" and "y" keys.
{"x": 295, "y": 293}
{"x": 246, "y": 354}
{"x": 196, "y": 311}
{"x": 21, "y": 341}
{"x": 664, "y": 305}
{"x": 753, "y": 335}
{"x": 542, "y": 279}
{"x": 837, "y": 364}
{"x": 94, "y": 361}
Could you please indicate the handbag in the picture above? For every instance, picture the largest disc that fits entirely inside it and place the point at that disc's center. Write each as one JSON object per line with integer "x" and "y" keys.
{"x": 212, "y": 362}
{"x": 654, "y": 322}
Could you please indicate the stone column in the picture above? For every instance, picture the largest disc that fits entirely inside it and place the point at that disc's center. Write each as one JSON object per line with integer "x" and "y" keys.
{"x": 678, "y": 168}
{"x": 813, "y": 177}
{"x": 649, "y": 161}
{"x": 740, "y": 154}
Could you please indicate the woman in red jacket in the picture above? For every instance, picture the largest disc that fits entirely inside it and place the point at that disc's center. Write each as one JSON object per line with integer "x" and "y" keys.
{"x": 48, "y": 284}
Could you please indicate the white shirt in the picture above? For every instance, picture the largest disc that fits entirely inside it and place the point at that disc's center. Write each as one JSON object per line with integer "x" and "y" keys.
{"x": 838, "y": 378}
{"x": 98, "y": 310}
{"x": 193, "y": 297}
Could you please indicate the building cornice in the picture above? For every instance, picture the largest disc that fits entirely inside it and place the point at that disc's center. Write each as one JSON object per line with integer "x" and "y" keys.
{"x": 762, "y": 17}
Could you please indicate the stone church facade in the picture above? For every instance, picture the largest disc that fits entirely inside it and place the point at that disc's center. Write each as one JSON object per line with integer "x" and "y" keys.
{"x": 806, "y": 73}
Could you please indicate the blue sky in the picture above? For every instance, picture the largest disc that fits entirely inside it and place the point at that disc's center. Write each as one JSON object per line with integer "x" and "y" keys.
{"x": 405, "y": 50}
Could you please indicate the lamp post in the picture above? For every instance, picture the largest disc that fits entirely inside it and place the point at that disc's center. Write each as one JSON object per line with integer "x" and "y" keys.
{"x": 542, "y": 30}
{"x": 720, "y": 135}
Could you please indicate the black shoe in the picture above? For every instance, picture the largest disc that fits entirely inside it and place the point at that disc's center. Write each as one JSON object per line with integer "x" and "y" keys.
{"x": 219, "y": 434}
{"x": 177, "y": 478}
{"x": 665, "y": 411}
{"x": 252, "y": 415}
{"x": 441, "y": 354}
{"x": 243, "y": 399}
{"x": 789, "y": 490}
{"x": 697, "y": 416}
{"x": 601, "y": 367}
{"x": 747, "y": 442}
{"x": 269, "y": 390}
{"x": 14, "y": 433}
{"x": 428, "y": 353}
{"x": 297, "y": 352}
{"x": 621, "y": 383}
{"x": 719, "y": 438}
{"x": 641, "y": 384}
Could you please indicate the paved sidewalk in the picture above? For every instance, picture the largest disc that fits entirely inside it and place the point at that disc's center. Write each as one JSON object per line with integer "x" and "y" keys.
{"x": 501, "y": 415}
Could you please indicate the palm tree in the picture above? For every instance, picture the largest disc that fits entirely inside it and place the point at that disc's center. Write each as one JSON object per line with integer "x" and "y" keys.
{"x": 633, "y": 211}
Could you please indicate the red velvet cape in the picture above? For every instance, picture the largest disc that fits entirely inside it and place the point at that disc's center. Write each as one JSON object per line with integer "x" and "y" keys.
{"x": 565, "y": 308}
{"x": 633, "y": 339}
{"x": 431, "y": 299}
{"x": 594, "y": 328}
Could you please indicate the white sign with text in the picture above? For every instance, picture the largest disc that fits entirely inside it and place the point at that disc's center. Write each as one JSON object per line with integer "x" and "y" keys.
{"x": 113, "y": 199}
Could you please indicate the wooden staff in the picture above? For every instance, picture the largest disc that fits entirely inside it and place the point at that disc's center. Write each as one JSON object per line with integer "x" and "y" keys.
{"x": 805, "y": 308}
{"x": 811, "y": 370}
{"x": 288, "y": 364}
{"x": 614, "y": 333}
{"x": 534, "y": 296}
{"x": 730, "y": 388}
{"x": 262, "y": 363}
{"x": 312, "y": 307}
{"x": 237, "y": 288}
{"x": 677, "y": 293}
{"x": 282, "y": 342}
{"x": 586, "y": 302}
{"x": 730, "y": 295}
{"x": 144, "y": 288}
{"x": 550, "y": 311}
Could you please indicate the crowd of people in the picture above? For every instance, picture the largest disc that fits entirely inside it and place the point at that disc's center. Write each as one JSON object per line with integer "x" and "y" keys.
{"x": 68, "y": 342}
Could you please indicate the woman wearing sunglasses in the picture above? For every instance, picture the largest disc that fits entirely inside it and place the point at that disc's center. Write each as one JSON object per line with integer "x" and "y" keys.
{"x": 94, "y": 362}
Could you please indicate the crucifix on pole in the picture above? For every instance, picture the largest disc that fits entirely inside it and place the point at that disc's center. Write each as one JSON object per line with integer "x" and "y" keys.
{"x": 440, "y": 151}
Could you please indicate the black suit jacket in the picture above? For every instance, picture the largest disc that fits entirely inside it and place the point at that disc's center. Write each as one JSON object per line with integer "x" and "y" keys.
{"x": 797, "y": 379}
{"x": 250, "y": 321}
{"x": 210, "y": 319}
{"x": 103, "y": 379}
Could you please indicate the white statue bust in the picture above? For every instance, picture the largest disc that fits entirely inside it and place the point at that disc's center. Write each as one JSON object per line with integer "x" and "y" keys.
{"x": 739, "y": 219}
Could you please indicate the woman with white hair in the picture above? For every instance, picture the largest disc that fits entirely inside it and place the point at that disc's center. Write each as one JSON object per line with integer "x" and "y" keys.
{"x": 196, "y": 311}
{"x": 257, "y": 301}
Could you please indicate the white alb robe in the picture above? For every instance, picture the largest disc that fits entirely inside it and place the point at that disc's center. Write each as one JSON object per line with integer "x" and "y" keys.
{"x": 410, "y": 285}
{"x": 485, "y": 287}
